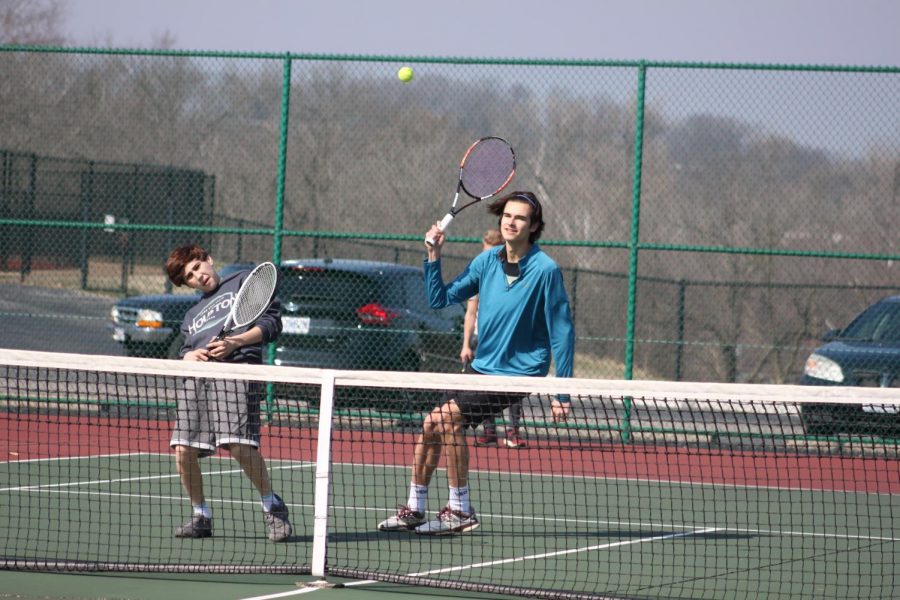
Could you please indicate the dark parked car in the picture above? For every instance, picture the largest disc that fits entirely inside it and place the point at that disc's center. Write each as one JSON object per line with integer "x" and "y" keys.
{"x": 337, "y": 314}
{"x": 352, "y": 314}
{"x": 866, "y": 353}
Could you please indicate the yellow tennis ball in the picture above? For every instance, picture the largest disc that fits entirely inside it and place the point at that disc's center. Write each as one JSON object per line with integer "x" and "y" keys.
{"x": 405, "y": 74}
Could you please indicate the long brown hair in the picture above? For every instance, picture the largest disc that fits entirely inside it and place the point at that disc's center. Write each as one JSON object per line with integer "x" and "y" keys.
{"x": 537, "y": 212}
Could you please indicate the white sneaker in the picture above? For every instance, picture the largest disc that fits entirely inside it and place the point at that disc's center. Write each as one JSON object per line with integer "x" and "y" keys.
{"x": 404, "y": 520}
{"x": 448, "y": 522}
{"x": 277, "y": 521}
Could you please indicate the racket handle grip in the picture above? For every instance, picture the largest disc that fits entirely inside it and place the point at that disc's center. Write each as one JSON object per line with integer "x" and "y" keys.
{"x": 442, "y": 226}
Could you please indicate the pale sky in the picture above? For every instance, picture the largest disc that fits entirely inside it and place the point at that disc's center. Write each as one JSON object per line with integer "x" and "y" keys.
{"x": 842, "y": 32}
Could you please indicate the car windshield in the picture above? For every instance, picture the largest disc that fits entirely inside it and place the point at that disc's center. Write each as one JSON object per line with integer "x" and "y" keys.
{"x": 879, "y": 323}
{"x": 316, "y": 285}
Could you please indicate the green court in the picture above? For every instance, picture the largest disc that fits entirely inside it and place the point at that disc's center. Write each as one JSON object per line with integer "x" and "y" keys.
{"x": 615, "y": 536}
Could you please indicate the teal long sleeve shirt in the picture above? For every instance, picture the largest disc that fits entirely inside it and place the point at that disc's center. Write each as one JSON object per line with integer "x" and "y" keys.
{"x": 520, "y": 325}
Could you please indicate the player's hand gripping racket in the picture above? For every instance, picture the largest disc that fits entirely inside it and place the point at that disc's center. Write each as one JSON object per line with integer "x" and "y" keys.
{"x": 252, "y": 299}
{"x": 486, "y": 168}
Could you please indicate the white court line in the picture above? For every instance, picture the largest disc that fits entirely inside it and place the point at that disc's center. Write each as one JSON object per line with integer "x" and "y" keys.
{"x": 50, "y": 486}
{"x": 306, "y": 590}
{"x": 638, "y": 524}
{"x": 81, "y": 457}
{"x": 159, "y": 497}
{"x": 492, "y": 563}
{"x": 56, "y": 488}
{"x": 301, "y": 465}
{"x": 285, "y": 594}
{"x": 120, "y": 455}
{"x": 659, "y": 525}
{"x": 646, "y": 480}
{"x": 500, "y": 472}
{"x": 311, "y": 588}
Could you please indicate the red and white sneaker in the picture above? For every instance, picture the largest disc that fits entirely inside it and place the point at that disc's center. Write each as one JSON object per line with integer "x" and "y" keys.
{"x": 448, "y": 522}
{"x": 404, "y": 520}
{"x": 488, "y": 439}
{"x": 512, "y": 439}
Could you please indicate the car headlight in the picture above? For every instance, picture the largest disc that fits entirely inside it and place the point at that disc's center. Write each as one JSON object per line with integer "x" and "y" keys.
{"x": 114, "y": 314}
{"x": 820, "y": 367}
{"x": 149, "y": 318}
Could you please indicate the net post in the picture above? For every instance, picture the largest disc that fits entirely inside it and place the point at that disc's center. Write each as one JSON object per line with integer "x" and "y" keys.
{"x": 323, "y": 474}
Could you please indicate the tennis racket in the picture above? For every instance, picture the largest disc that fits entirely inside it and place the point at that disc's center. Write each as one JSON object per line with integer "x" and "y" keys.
{"x": 486, "y": 168}
{"x": 252, "y": 299}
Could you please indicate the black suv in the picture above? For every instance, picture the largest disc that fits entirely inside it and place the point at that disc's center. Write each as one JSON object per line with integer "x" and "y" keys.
{"x": 337, "y": 314}
{"x": 353, "y": 314}
{"x": 866, "y": 353}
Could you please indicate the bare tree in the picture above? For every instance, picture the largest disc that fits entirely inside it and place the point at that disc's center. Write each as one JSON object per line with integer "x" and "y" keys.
{"x": 32, "y": 22}
{"x": 164, "y": 41}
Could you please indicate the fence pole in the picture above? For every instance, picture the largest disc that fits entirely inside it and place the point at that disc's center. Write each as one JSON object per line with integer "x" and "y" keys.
{"x": 679, "y": 338}
{"x": 282, "y": 159}
{"x": 278, "y": 225}
{"x": 634, "y": 240}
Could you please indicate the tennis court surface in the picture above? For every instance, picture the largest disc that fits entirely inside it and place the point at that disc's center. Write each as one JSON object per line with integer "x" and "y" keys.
{"x": 649, "y": 490}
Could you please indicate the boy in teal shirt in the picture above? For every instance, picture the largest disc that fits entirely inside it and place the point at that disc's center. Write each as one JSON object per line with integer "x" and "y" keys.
{"x": 523, "y": 320}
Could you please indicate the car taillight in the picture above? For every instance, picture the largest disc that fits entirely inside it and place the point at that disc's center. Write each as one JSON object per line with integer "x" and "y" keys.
{"x": 375, "y": 314}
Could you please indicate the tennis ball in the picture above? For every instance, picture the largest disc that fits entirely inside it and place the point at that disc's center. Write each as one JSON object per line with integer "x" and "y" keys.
{"x": 405, "y": 74}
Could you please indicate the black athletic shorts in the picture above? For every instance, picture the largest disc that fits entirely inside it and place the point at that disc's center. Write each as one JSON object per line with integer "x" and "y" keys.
{"x": 475, "y": 406}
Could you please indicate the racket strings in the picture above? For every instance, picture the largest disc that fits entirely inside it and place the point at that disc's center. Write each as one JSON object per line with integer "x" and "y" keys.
{"x": 255, "y": 295}
{"x": 489, "y": 166}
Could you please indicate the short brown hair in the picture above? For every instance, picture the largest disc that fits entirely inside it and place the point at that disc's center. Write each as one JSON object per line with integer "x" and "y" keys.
{"x": 537, "y": 212}
{"x": 179, "y": 258}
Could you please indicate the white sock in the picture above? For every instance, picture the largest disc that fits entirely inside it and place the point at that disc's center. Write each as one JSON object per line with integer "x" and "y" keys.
{"x": 459, "y": 499}
{"x": 267, "y": 501}
{"x": 203, "y": 509}
{"x": 418, "y": 497}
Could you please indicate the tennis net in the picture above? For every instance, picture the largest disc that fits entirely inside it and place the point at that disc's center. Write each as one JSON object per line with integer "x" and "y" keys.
{"x": 647, "y": 490}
